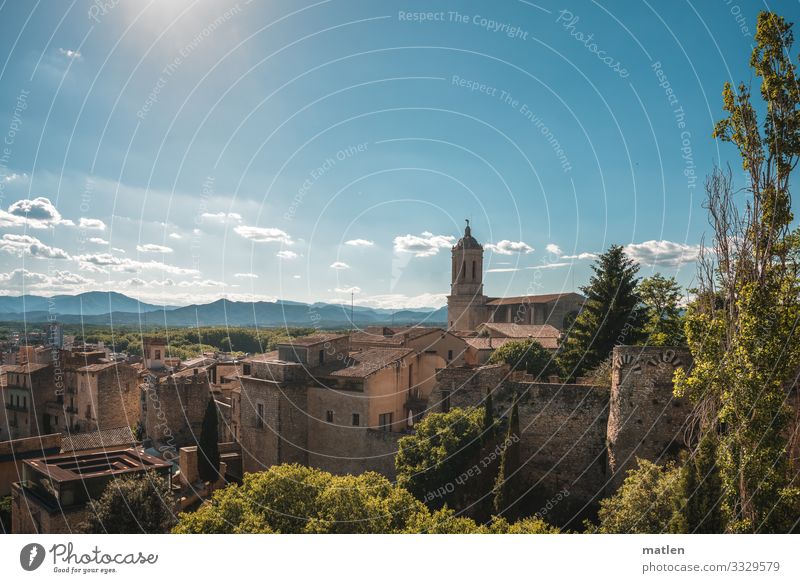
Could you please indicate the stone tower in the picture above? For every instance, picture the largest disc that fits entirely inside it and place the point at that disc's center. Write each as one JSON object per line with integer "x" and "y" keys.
{"x": 466, "y": 304}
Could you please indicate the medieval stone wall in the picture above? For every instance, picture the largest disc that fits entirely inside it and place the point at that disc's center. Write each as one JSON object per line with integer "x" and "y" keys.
{"x": 645, "y": 420}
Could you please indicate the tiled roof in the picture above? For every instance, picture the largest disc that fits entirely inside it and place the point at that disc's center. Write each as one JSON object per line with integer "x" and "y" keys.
{"x": 99, "y": 366}
{"x": 313, "y": 339}
{"x": 103, "y": 439}
{"x": 363, "y": 364}
{"x": 538, "y": 299}
{"x": 483, "y": 343}
{"x": 24, "y": 368}
{"x": 513, "y": 330}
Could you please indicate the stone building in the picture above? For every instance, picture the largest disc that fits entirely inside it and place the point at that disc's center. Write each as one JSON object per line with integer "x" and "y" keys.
{"x": 25, "y": 390}
{"x": 316, "y": 402}
{"x": 468, "y": 307}
{"x": 53, "y": 494}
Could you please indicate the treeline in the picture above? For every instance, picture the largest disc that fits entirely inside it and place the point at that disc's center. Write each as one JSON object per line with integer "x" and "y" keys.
{"x": 189, "y": 342}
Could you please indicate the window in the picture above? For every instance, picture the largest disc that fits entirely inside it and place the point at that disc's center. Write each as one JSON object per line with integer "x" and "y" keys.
{"x": 158, "y": 355}
{"x": 385, "y": 421}
{"x": 410, "y": 375}
{"x": 329, "y": 416}
{"x": 259, "y": 416}
{"x": 246, "y": 369}
{"x": 449, "y": 355}
{"x": 473, "y": 271}
{"x": 356, "y": 419}
{"x": 322, "y": 357}
{"x": 24, "y": 402}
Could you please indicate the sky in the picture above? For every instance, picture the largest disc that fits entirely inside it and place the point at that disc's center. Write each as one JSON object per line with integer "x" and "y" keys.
{"x": 185, "y": 151}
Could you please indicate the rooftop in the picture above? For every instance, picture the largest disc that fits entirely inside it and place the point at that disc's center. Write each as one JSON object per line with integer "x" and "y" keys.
{"x": 513, "y": 330}
{"x": 313, "y": 339}
{"x": 75, "y": 467}
{"x": 367, "y": 362}
{"x": 99, "y": 366}
{"x": 484, "y": 343}
{"x": 27, "y": 368}
{"x": 536, "y": 299}
{"x": 102, "y": 439}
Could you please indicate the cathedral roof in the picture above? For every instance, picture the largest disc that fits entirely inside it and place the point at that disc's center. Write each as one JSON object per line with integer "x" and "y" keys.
{"x": 467, "y": 241}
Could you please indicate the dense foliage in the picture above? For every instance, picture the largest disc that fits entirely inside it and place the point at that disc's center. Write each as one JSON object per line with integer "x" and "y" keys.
{"x": 131, "y": 505}
{"x": 661, "y": 297}
{"x": 528, "y": 356}
{"x": 742, "y": 327}
{"x": 292, "y": 499}
{"x": 443, "y": 445}
{"x": 611, "y": 315}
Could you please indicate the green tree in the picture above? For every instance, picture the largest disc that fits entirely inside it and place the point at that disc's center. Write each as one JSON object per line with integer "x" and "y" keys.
{"x": 703, "y": 489}
{"x": 488, "y": 417}
{"x": 141, "y": 503}
{"x": 646, "y": 502}
{"x": 293, "y": 499}
{"x": 442, "y": 447}
{"x": 526, "y": 355}
{"x": 506, "y": 487}
{"x": 611, "y": 315}
{"x": 661, "y": 297}
{"x": 742, "y": 328}
{"x": 208, "y": 446}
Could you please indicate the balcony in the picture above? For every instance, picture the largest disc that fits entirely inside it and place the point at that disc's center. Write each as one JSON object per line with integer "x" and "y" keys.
{"x": 73, "y": 410}
{"x": 21, "y": 408}
{"x": 415, "y": 401}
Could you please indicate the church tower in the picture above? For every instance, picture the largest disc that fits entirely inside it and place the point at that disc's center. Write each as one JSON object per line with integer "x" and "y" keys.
{"x": 466, "y": 304}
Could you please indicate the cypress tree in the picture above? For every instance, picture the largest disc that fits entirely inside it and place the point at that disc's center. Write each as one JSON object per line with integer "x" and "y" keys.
{"x": 208, "y": 446}
{"x": 611, "y": 315}
{"x": 505, "y": 489}
{"x": 488, "y": 417}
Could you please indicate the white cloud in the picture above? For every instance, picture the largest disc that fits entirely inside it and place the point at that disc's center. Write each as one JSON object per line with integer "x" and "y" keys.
{"x": 175, "y": 236}
{"x": 339, "y": 265}
{"x": 222, "y": 218}
{"x": 58, "y": 280}
{"x": 93, "y": 224}
{"x": 581, "y": 256}
{"x": 263, "y": 234}
{"x": 554, "y": 249}
{"x": 118, "y": 250}
{"x": 506, "y": 247}
{"x": 425, "y": 245}
{"x": 245, "y": 275}
{"x": 296, "y": 277}
{"x": 530, "y": 268}
{"x": 37, "y": 213}
{"x": 662, "y": 253}
{"x": 153, "y": 248}
{"x": 98, "y": 241}
{"x": 348, "y": 290}
{"x": 403, "y": 301}
{"x": 26, "y": 245}
{"x": 359, "y": 243}
{"x": 70, "y": 54}
{"x": 103, "y": 260}
{"x": 286, "y": 254}
{"x": 15, "y": 177}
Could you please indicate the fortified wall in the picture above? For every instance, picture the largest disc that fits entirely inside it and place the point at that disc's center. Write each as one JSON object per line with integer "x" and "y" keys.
{"x": 578, "y": 440}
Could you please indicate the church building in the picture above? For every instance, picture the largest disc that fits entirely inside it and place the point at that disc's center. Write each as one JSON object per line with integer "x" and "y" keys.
{"x": 468, "y": 307}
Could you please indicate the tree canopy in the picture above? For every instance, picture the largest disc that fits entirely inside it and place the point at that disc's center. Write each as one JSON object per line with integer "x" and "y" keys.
{"x": 528, "y": 356}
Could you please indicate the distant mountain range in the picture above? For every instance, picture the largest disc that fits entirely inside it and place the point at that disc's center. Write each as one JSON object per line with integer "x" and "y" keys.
{"x": 112, "y": 307}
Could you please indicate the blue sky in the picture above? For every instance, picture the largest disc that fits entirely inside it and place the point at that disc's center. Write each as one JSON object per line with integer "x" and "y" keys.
{"x": 186, "y": 151}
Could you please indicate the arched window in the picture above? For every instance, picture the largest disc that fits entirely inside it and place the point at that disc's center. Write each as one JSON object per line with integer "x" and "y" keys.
{"x": 473, "y": 271}
{"x": 463, "y": 271}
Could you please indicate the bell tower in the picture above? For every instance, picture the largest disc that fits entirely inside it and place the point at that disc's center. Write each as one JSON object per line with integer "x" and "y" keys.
{"x": 466, "y": 304}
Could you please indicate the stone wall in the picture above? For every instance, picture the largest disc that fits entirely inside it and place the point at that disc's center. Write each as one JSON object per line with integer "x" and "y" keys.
{"x": 645, "y": 420}
{"x": 175, "y": 407}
